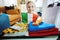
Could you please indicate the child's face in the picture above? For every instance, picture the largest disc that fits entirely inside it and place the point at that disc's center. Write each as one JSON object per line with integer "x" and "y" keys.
{"x": 30, "y": 7}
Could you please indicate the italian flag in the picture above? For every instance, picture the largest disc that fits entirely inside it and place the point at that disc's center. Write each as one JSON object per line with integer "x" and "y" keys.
{"x": 27, "y": 17}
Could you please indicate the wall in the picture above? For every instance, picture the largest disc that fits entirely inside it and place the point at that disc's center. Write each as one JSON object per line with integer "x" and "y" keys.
{"x": 49, "y": 14}
{"x": 23, "y": 8}
{"x": 8, "y": 2}
{"x": 57, "y": 21}
{"x": 1, "y": 3}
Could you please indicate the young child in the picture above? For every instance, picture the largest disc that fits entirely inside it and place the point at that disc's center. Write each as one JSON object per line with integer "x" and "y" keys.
{"x": 32, "y": 15}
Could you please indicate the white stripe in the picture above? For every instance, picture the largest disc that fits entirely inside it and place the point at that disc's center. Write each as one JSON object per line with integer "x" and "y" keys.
{"x": 30, "y": 17}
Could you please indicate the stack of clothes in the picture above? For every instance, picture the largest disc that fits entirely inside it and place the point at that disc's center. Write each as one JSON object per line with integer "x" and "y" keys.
{"x": 43, "y": 29}
{"x": 4, "y": 22}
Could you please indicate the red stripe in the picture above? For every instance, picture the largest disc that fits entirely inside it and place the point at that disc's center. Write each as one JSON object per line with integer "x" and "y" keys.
{"x": 35, "y": 16}
{"x": 45, "y": 34}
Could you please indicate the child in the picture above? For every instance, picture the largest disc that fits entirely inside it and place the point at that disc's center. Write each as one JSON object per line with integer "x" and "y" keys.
{"x": 32, "y": 15}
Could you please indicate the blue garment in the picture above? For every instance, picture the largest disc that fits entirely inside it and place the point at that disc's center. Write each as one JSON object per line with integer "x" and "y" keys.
{"x": 41, "y": 26}
{"x": 4, "y": 22}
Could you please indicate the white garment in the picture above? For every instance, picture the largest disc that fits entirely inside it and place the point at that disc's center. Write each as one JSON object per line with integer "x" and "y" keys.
{"x": 30, "y": 17}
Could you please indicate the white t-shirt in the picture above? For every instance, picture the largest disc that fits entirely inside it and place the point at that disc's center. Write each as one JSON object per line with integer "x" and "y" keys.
{"x": 30, "y": 17}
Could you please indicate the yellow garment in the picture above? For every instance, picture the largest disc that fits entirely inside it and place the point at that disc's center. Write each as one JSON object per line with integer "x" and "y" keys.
{"x": 39, "y": 20}
{"x": 10, "y": 30}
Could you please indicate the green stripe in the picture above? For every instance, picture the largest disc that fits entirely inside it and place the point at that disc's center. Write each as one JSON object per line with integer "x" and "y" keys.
{"x": 24, "y": 17}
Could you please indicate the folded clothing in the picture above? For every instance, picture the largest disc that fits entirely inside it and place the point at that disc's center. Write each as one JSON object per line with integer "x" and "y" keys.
{"x": 4, "y": 22}
{"x": 41, "y": 26}
{"x": 43, "y": 33}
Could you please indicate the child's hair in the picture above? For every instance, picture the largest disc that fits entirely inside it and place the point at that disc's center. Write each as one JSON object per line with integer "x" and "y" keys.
{"x": 30, "y": 2}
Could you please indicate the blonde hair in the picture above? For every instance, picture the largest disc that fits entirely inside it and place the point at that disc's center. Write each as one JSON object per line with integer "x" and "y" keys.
{"x": 31, "y": 2}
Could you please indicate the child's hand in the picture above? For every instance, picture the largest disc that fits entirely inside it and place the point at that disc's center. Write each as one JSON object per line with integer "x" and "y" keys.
{"x": 35, "y": 24}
